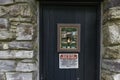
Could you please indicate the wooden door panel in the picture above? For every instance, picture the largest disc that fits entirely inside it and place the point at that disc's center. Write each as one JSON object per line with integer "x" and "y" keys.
{"x": 86, "y": 17}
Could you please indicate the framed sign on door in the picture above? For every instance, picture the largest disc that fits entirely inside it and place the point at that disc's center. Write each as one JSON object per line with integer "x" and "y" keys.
{"x": 68, "y": 39}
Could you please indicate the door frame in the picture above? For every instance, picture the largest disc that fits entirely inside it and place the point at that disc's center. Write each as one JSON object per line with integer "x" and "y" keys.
{"x": 98, "y": 55}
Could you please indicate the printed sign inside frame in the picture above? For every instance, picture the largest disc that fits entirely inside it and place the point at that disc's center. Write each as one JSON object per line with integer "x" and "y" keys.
{"x": 68, "y": 37}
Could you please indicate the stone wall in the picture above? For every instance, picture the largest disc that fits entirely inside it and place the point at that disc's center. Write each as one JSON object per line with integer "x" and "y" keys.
{"x": 18, "y": 35}
{"x": 111, "y": 40}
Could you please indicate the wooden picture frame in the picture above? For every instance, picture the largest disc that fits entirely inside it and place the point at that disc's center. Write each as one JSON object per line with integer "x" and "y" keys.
{"x": 68, "y": 37}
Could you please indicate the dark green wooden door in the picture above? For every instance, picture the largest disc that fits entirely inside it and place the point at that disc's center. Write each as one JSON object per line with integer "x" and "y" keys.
{"x": 86, "y": 16}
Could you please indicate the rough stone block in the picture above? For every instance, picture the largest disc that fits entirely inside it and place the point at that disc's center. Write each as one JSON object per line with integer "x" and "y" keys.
{"x": 28, "y": 61}
{"x": 14, "y": 24}
{"x": 20, "y": 45}
{"x": 18, "y": 76}
{"x": 26, "y": 67}
{"x": 16, "y": 54}
{"x": 109, "y": 76}
{"x": 3, "y": 23}
{"x": 111, "y": 34}
{"x": 2, "y": 76}
{"x": 111, "y": 3}
{"x": 24, "y": 32}
{"x": 6, "y": 55}
{"x": 23, "y": 10}
{"x": 116, "y": 77}
{"x": 4, "y": 2}
{"x": 20, "y": 19}
{"x": 4, "y": 45}
{"x": 112, "y": 52}
{"x": 5, "y": 35}
{"x": 1, "y": 45}
{"x": 21, "y": 0}
{"x": 112, "y": 14}
{"x": 111, "y": 65}
{"x": 24, "y": 54}
{"x": 106, "y": 75}
{"x": 7, "y": 65}
{"x": 3, "y": 11}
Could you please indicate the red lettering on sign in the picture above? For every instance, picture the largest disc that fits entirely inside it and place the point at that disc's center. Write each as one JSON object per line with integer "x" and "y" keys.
{"x": 68, "y": 56}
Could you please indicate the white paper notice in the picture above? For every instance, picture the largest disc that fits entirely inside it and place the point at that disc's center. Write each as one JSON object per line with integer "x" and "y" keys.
{"x": 68, "y": 61}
